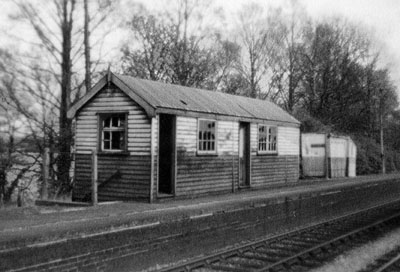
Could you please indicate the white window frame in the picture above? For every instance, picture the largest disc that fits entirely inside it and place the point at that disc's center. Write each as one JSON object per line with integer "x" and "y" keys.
{"x": 207, "y": 152}
{"x": 267, "y": 143}
{"x": 124, "y": 129}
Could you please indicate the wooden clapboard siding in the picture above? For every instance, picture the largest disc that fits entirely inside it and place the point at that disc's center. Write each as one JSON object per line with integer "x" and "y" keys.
{"x": 198, "y": 174}
{"x": 133, "y": 183}
{"x": 289, "y": 141}
{"x": 186, "y": 134}
{"x": 253, "y": 138}
{"x": 155, "y": 155}
{"x": 139, "y": 127}
{"x": 204, "y": 174}
{"x": 267, "y": 169}
{"x": 227, "y": 133}
{"x": 228, "y": 137}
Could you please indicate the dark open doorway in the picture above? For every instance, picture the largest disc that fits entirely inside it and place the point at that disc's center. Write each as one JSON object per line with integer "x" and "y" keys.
{"x": 244, "y": 154}
{"x": 166, "y": 166}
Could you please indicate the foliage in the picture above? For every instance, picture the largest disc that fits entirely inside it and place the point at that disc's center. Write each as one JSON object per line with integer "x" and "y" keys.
{"x": 42, "y": 81}
{"x": 168, "y": 53}
{"x": 326, "y": 73}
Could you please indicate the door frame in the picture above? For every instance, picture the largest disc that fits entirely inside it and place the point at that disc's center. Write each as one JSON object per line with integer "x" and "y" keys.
{"x": 173, "y": 160}
{"x": 247, "y": 149}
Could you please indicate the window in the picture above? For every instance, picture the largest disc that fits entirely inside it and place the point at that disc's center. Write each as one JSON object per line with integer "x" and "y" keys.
{"x": 267, "y": 139}
{"x": 207, "y": 136}
{"x": 113, "y": 132}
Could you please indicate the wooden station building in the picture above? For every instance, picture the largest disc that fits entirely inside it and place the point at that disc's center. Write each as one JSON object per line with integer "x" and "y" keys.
{"x": 156, "y": 140}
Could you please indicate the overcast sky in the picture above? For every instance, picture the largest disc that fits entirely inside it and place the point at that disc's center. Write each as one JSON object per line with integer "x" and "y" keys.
{"x": 382, "y": 17}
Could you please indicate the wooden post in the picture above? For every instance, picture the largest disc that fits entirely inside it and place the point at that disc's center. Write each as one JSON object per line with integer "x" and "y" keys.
{"x": 152, "y": 154}
{"x": 45, "y": 173}
{"x": 327, "y": 154}
{"x": 94, "y": 178}
{"x": 381, "y": 132}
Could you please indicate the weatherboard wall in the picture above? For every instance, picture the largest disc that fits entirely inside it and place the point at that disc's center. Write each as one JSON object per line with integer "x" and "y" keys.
{"x": 199, "y": 174}
{"x": 276, "y": 168}
{"x": 202, "y": 174}
{"x": 195, "y": 174}
{"x": 133, "y": 180}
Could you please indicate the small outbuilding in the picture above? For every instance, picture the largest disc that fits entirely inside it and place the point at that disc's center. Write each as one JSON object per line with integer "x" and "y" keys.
{"x": 328, "y": 155}
{"x": 156, "y": 140}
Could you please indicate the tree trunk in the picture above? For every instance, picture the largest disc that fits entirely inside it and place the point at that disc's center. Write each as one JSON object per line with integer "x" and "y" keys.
{"x": 65, "y": 138}
{"x": 87, "y": 48}
{"x": 2, "y": 185}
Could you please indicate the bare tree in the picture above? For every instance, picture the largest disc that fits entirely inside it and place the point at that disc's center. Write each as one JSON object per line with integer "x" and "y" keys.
{"x": 86, "y": 36}
{"x": 287, "y": 72}
{"x": 62, "y": 39}
{"x": 174, "y": 47}
{"x": 259, "y": 39}
{"x": 16, "y": 165}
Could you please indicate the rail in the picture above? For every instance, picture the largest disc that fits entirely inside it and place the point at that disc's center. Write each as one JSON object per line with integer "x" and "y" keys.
{"x": 304, "y": 248}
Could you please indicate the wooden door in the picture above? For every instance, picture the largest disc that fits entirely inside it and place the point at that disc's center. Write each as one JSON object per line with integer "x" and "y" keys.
{"x": 244, "y": 155}
{"x": 166, "y": 165}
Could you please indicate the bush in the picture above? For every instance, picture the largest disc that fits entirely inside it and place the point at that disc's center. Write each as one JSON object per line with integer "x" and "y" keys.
{"x": 369, "y": 157}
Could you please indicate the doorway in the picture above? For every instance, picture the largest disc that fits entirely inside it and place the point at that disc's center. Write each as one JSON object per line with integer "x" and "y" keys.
{"x": 166, "y": 165}
{"x": 244, "y": 154}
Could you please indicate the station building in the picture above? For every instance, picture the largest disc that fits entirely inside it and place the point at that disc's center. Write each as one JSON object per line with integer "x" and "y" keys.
{"x": 155, "y": 140}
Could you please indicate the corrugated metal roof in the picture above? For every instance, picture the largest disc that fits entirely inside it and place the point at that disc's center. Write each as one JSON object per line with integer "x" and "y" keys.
{"x": 170, "y": 96}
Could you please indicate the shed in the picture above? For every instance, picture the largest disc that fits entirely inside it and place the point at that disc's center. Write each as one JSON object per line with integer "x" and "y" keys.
{"x": 328, "y": 155}
{"x": 157, "y": 140}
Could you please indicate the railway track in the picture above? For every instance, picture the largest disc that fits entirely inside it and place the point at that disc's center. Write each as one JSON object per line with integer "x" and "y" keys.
{"x": 302, "y": 249}
{"x": 390, "y": 262}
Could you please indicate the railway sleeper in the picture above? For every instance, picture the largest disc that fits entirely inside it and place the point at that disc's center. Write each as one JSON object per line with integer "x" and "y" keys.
{"x": 276, "y": 256}
{"x": 227, "y": 266}
{"x": 246, "y": 261}
{"x": 306, "y": 239}
{"x": 302, "y": 244}
{"x": 310, "y": 262}
{"x": 197, "y": 267}
{"x": 279, "y": 252}
{"x": 279, "y": 246}
{"x": 292, "y": 249}
{"x": 262, "y": 257}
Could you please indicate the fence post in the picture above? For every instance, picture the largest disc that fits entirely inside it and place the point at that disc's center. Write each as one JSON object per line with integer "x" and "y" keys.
{"x": 327, "y": 156}
{"x": 94, "y": 178}
{"x": 45, "y": 173}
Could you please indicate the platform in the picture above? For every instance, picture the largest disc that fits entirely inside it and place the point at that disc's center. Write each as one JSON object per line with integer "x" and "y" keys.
{"x": 42, "y": 229}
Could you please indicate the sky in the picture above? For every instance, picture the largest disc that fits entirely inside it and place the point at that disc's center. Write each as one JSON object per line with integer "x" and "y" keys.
{"x": 381, "y": 17}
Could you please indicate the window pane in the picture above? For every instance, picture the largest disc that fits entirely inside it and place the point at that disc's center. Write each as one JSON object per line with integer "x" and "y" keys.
{"x": 267, "y": 138}
{"x": 114, "y": 122}
{"x": 122, "y": 140}
{"x": 107, "y": 122}
{"x": 116, "y": 140}
{"x": 206, "y": 135}
{"x": 122, "y": 122}
{"x": 262, "y": 138}
{"x": 113, "y": 132}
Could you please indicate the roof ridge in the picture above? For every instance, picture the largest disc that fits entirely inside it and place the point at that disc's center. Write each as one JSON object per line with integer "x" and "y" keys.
{"x": 157, "y": 97}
